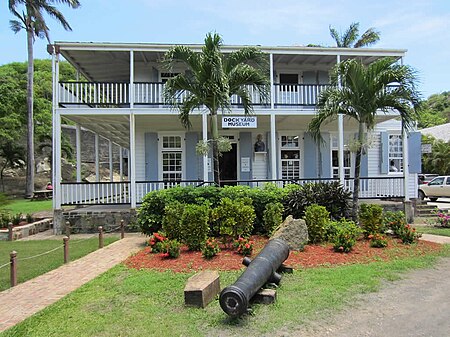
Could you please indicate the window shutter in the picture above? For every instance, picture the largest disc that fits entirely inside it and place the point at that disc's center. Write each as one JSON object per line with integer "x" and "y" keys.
{"x": 310, "y": 156}
{"x": 415, "y": 152}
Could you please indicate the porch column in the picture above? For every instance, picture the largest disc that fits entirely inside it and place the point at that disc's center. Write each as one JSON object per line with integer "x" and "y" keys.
{"x": 273, "y": 146}
{"x": 97, "y": 158}
{"x": 272, "y": 86}
{"x": 110, "y": 155}
{"x": 405, "y": 163}
{"x": 132, "y": 161}
{"x": 121, "y": 163}
{"x": 131, "y": 79}
{"x": 340, "y": 137}
{"x": 205, "y": 139}
{"x": 56, "y": 137}
{"x": 78, "y": 149}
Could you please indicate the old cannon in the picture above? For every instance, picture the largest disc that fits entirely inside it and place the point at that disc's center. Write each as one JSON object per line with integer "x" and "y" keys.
{"x": 234, "y": 299}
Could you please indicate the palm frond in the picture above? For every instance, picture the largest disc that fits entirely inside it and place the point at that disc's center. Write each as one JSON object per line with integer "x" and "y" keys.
{"x": 16, "y": 26}
{"x": 336, "y": 36}
{"x": 350, "y": 35}
{"x": 369, "y": 37}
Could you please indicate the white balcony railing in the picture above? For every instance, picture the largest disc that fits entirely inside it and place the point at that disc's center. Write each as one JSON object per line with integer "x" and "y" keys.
{"x": 117, "y": 94}
{"x": 95, "y": 193}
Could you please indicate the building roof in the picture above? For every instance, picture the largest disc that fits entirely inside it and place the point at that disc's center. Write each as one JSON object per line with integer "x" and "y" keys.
{"x": 441, "y": 132}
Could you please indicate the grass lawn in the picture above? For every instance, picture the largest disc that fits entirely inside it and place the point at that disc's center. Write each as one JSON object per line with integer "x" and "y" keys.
{"x": 128, "y": 302}
{"x": 433, "y": 230}
{"x": 26, "y": 206}
{"x": 28, "y": 269}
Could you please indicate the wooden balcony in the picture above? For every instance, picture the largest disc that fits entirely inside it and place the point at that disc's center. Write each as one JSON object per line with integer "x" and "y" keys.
{"x": 150, "y": 94}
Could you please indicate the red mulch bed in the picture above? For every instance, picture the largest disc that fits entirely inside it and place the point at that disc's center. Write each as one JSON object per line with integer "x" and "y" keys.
{"x": 312, "y": 256}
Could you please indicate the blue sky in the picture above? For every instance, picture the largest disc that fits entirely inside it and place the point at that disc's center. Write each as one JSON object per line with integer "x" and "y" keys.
{"x": 421, "y": 26}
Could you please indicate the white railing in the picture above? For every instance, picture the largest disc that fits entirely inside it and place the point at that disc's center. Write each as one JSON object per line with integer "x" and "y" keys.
{"x": 297, "y": 94}
{"x": 144, "y": 187}
{"x": 94, "y": 93}
{"x": 119, "y": 192}
{"x": 95, "y": 193}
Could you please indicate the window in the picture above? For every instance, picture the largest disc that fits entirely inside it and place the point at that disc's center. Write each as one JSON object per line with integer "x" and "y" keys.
{"x": 166, "y": 76}
{"x": 290, "y": 157}
{"x": 395, "y": 158}
{"x": 288, "y": 82}
{"x": 172, "y": 158}
{"x": 335, "y": 157}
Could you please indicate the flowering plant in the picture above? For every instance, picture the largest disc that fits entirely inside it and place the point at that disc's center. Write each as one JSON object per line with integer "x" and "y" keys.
{"x": 345, "y": 236}
{"x": 170, "y": 248}
{"x": 156, "y": 242}
{"x": 243, "y": 246}
{"x": 443, "y": 220}
{"x": 409, "y": 235}
{"x": 377, "y": 240}
{"x": 210, "y": 248}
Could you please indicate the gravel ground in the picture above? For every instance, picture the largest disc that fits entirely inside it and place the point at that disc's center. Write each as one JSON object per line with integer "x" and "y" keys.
{"x": 418, "y": 305}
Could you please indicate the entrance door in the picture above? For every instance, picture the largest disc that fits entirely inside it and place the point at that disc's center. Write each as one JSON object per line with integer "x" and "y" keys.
{"x": 228, "y": 166}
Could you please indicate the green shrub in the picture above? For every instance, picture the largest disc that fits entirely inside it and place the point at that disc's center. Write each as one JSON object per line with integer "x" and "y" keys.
{"x": 394, "y": 221}
{"x": 194, "y": 225}
{"x": 210, "y": 248}
{"x": 151, "y": 212}
{"x": 16, "y": 219}
{"x": 273, "y": 216}
{"x": 156, "y": 242}
{"x": 330, "y": 195}
{"x": 371, "y": 219}
{"x": 171, "y": 223}
{"x": 171, "y": 248}
{"x": 331, "y": 230}
{"x": 408, "y": 234}
{"x": 5, "y": 219}
{"x": 234, "y": 217}
{"x": 316, "y": 218}
{"x": 346, "y": 236}
{"x": 377, "y": 240}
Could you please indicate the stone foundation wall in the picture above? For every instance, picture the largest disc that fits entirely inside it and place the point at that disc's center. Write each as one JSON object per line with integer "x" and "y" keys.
{"x": 88, "y": 222}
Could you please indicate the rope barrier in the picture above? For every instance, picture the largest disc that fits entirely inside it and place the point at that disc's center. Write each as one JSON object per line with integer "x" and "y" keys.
{"x": 39, "y": 255}
{"x": 82, "y": 240}
{"x": 5, "y": 265}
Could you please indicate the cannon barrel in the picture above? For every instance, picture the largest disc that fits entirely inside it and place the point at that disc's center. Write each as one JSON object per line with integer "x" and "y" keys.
{"x": 234, "y": 299}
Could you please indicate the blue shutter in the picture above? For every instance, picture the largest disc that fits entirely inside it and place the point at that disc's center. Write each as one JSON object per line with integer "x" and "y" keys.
{"x": 151, "y": 156}
{"x": 310, "y": 156}
{"x": 384, "y": 152}
{"x": 415, "y": 152}
{"x": 246, "y": 151}
{"x": 192, "y": 167}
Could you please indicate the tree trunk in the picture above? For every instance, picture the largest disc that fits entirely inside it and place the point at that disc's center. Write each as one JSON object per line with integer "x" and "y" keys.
{"x": 356, "y": 180}
{"x": 30, "y": 122}
{"x": 215, "y": 149}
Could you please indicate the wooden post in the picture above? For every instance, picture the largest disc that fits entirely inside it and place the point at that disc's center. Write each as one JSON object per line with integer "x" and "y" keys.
{"x": 100, "y": 237}
{"x": 10, "y": 231}
{"x": 122, "y": 229}
{"x": 68, "y": 228}
{"x": 13, "y": 268}
{"x": 66, "y": 249}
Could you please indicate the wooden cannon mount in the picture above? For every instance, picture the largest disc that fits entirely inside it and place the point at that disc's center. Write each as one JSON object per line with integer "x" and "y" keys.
{"x": 234, "y": 299}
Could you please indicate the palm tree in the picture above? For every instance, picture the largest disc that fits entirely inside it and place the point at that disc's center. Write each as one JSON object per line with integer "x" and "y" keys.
{"x": 32, "y": 20}
{"x": 211, "y": 79}
{"x": 351, "y": 39}
{"x": 384, "y": 85}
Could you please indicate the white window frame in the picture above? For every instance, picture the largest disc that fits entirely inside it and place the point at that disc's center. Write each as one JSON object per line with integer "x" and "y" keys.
{"x": 300, "y": 148}
{"x": 161, "y": 150}
{"x": 348, "y": 137}
{"x": 397, "y": 159}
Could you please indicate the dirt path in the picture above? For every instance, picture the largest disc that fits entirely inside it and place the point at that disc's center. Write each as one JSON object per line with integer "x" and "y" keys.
{"x": 418, "y": 305}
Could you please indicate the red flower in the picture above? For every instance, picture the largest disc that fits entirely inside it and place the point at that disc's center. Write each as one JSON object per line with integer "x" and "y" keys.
{"x": 247, "y": 245}
{"x": 341, "y": 248}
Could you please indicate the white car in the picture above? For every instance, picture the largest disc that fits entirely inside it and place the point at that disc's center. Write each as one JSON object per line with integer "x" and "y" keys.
{"x": 439, "y": 187}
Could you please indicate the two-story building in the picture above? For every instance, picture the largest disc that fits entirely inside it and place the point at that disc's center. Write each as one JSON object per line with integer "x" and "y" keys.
{"x": 120, "y": 99}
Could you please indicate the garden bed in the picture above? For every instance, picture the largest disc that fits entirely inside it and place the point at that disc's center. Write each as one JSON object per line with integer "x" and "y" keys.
{"x": 312, "y": 256}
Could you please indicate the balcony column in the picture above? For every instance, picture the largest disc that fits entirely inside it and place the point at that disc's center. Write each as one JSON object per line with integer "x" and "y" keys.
{"x": 121, "y": 163}
{"x": 132, "y": 161}
{"x": 56, "y": 137}
{"x": 110, "y": 155}
{"x": 405, "y": 163}
{"x": 131, "y": 79}
{"x": 272, "y": 86}
{"x": 205, "y": 139}
{"x": 273, "y": 146}
{"x": 340, "y": 137}
{"x": 78, "y": 150}
{"x": 97, "y": 157}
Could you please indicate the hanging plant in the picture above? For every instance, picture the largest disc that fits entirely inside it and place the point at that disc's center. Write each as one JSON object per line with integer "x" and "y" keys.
{"x": 203, "y": 147}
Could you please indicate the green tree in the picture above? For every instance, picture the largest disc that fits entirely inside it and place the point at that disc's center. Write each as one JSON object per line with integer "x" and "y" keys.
{"x": 364, "y": 91}
{"x": 438, "y": 160}
{"x": 12, "y": 155}
{"x": 31, "y": 19}
{"x": 436, "y": 110}
{"x": 211, "y": 79}
{"x": 351, "y": 38}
